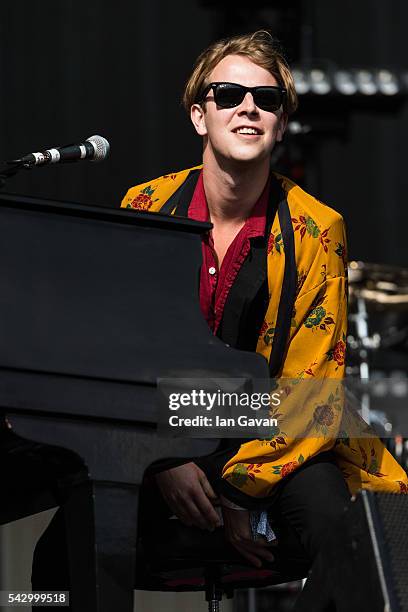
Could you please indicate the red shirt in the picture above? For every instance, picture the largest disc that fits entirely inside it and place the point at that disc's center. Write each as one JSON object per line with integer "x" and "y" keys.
{"x": 214, "y": 283}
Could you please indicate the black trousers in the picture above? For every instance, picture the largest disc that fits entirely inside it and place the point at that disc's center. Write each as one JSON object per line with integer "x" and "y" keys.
{"x": 307, "y": 516}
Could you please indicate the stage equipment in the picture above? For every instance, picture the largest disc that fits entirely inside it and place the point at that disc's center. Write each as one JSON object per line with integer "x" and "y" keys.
{"x": 378, "y": 324}
{"x": 323, "y": 79}
{"x": 378, "y": 307}
{"x": 379, "y": 546}
{"x": 96, "y": 305}
{"x": 95, "y": 148}
{"x": 371, "y": 570}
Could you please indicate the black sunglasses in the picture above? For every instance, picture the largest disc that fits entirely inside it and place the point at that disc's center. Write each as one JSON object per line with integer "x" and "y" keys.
{"x": 228, "y": 95}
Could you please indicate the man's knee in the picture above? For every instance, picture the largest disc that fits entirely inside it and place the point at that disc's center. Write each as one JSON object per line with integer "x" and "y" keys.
{"x": 314, "y": 502}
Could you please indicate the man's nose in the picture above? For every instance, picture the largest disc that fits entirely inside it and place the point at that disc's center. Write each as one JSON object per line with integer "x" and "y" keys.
{"x": 248, "y": 104}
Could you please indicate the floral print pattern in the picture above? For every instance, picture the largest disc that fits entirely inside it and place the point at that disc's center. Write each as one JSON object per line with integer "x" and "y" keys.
{"x": 287, "y": 468}
{"x": 315, "y": 317}
{"x": 324, "y": 415}
{"x": 308, "y": 371}
{"x": 242, "y": 473}
{"x": 277, "y": 441}
{"x": 318, "y": 317}
{"x": 403, "y": 487}
{"x": 301, "y": 277}
{"x": 275, "y": 242}
{"x": 144, "y": 200}
{"x": 338, "y": 352}
{"x": 373, "y": 466}
{"x": 306, "y": 225}
{"x": 267, "y": 332}
{"x": 340, "y": 250}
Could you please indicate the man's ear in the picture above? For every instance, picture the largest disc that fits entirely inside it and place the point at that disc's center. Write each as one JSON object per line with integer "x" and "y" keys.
{"x": 283, "y": 122}
{"x": 197, "y": 116}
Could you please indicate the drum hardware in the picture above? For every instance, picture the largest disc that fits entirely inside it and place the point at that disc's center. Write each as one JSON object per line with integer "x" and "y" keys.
{"x": 378, "y": 296}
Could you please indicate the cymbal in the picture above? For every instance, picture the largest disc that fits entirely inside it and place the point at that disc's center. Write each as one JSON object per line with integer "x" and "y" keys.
{"x": 379, "y": 285}
{"x": 378, "y": 276}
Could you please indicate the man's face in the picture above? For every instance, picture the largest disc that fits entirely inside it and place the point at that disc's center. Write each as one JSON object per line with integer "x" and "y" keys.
{"x": 221, "y": 126}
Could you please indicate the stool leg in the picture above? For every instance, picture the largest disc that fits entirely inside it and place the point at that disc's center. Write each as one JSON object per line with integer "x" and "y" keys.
{"x": 213, "y": 605}
{"x": 213, "y": 592}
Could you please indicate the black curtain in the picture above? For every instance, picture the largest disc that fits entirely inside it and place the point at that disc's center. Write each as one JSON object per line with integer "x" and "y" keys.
{"x": 364, "y": 175}
{"x": 72, "y": 69}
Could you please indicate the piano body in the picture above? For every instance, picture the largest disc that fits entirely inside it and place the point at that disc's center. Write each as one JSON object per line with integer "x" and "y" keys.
{"x": 95, "y": 306}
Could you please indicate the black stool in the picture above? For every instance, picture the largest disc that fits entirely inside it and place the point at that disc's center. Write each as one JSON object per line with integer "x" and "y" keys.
{"x": 176, "y": 558}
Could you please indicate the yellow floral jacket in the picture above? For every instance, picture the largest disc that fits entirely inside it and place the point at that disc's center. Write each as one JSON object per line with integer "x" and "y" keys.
{"x": 316, "y": 347}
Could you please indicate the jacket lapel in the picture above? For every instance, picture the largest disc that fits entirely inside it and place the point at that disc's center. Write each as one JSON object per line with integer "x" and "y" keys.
{"x": 248, "y": 298}
{"x": 179, "y": 202}
{"x": 288, "y": 291}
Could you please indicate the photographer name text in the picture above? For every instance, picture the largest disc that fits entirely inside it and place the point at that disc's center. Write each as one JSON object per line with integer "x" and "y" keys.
{"x": 217, "y": 421}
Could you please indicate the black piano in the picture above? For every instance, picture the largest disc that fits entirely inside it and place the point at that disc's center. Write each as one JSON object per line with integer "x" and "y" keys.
{"x": 95, "y": 306}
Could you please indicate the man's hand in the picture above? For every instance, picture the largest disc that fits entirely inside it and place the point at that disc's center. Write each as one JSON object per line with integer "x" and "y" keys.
{"x": 190, "y": 496}
{"x": 238, "y": 533}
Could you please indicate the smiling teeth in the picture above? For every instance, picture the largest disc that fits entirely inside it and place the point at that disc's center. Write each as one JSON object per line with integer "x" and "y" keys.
{"x": 247, "y": 131}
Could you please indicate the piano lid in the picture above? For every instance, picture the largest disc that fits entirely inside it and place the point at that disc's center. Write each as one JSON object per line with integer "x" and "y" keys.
{"x": 108, "y": 294}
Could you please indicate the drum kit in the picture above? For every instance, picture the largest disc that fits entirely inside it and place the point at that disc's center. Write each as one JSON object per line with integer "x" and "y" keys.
{"x": 377, "y": 363}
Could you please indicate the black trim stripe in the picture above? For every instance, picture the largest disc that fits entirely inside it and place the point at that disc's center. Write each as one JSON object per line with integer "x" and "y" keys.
{"x": 248, "y": 298}
{"x": 181, "y": 198}
{"x": 288, "y": 291}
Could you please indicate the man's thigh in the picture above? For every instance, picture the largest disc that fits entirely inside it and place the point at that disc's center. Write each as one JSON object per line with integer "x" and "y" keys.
{"x": 312, "y": 503}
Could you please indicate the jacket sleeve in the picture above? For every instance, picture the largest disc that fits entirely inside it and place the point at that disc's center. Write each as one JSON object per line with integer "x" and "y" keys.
{"x": 310, "y": 414}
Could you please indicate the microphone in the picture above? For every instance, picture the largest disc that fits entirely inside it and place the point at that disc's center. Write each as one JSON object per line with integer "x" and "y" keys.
{"x": 95, "y": 148}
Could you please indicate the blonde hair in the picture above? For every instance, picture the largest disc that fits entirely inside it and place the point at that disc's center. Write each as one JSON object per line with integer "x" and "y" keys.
{"x": 260, "y": 47}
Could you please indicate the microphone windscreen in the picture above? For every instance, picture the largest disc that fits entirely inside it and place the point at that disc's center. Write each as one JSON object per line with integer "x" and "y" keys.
{"x": 101, "y": 147}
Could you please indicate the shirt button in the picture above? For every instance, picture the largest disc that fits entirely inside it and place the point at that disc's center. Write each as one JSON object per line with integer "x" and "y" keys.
{"x": 212, "y": 270}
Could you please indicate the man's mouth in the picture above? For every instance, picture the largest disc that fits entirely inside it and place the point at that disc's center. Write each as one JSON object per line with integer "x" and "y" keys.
{"x": 248, "y": 130}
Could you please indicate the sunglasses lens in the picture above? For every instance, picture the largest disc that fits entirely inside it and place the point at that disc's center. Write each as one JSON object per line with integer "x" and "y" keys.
{"x": 228, "y": 95}
{"x": 267, "y": 98}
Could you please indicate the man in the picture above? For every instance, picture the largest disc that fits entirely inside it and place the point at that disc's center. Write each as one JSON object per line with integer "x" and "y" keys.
{"x": 273, "y": 280}
{"x": 239, "y": 97}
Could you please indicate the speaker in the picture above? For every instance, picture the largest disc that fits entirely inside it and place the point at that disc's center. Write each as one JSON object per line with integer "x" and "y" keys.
{"x": 378, "y": 573}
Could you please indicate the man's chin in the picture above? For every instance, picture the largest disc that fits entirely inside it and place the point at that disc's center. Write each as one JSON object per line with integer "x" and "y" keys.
{"x": 241, "y": 158}
{"x": 247, "y": 157}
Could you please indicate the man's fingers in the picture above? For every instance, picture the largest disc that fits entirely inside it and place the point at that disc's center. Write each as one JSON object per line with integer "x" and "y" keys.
{"x": 261, "y": 542}
{"x": 206, "y": 512}
{"x": 206, "y": 509}
{"x": 208, "y": 490}
{"x": 264, "y": 553}
{"x": 189, "y": 510}
{"x": 184, "y": 518}
{"x": 239, "y": 534}
{"x": 254, "y": 550}
{"x": 178, "y": 510}
{"x": 189, "y": 515}
{"x": 248, "y": 555}
{"x": 188, "y": 492}
{"x": 259, "y": 549}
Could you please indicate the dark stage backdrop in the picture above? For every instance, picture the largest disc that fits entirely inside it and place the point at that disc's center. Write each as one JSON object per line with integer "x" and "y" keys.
{"x": 70, "y": 69}
{"x": 365, "y": 176}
